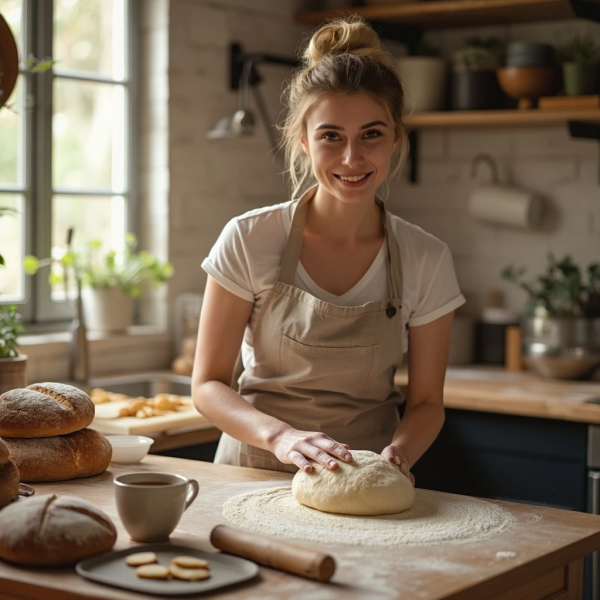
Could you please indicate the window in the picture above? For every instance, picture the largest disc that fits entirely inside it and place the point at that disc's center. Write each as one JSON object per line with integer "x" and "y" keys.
{"x": 67, "y": 156}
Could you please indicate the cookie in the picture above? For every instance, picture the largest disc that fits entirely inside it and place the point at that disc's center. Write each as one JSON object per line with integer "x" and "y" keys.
{"x": 189, "y": 562}
{"x": 152, "y": 572}
{"x": 140, "y": 558}
{"x": 188, "y": 574}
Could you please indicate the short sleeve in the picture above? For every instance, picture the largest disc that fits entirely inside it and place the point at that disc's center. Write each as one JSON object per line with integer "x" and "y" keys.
{"x": 227, "y": 262}
{"x": 439, "y": 293}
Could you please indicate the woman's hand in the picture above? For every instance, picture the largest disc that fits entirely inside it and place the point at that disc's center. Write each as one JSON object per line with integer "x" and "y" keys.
{"x": 295, "y": 447}
{"x": 396, "y": 457}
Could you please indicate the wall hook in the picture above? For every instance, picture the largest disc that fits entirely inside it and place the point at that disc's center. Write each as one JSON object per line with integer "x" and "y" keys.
{"x": 486, "y": 158}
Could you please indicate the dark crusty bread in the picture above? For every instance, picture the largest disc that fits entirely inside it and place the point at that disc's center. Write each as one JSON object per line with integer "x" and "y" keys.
{"x": 52, "y": 530}
{"x": 80, "y": 454}
{"x": 3, "y": 453}
{"x": 43, "y": 410}
{"x": 9, "y": 482}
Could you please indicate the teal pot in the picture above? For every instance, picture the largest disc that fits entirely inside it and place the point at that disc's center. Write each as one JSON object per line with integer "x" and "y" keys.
{"x": 580, "y": 78}
{"x": 475, "y": 90}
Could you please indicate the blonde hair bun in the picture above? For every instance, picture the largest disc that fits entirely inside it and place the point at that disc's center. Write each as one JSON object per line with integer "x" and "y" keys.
{"x": 344, "y": 35}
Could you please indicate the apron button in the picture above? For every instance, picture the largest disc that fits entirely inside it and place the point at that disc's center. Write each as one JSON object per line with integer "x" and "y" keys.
{"x": 390, "y": 311}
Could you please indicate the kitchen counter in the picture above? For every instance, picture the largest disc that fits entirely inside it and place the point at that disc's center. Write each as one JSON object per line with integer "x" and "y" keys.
{"x": 493, "y": 389}
{"x": 537, "y": 556}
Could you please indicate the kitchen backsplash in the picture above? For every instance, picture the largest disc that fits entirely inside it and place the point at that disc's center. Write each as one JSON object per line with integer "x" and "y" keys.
{"x": 191, "y": 186}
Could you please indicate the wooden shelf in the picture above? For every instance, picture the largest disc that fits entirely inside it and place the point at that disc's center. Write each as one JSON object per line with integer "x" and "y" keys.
{"x": 439, "y": 14}
{"x": 499, "y": 118}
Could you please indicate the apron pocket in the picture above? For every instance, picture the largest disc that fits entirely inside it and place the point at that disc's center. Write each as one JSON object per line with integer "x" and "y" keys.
{"x": 344, "y": 370}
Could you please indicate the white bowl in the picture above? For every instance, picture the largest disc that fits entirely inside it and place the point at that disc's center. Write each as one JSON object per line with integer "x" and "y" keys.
{"x": 128, "y": 449}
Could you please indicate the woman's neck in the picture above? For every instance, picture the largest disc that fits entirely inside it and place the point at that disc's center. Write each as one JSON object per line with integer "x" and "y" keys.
{"x": 341, "y": 221}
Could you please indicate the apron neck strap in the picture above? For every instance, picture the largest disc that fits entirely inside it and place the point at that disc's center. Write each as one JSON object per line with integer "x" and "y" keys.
{"x": 392, "y": 258}
{"x": 291, "y": 254}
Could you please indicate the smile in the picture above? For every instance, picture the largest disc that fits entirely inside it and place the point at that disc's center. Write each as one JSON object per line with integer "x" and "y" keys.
{"x": 353, "y": 178}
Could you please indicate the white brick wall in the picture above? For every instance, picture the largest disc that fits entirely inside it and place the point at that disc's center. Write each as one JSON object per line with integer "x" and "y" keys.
{"x": 211, "y": 181}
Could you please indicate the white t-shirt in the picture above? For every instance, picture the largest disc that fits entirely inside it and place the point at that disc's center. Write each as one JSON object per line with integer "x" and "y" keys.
{"x": 246, "y": 258}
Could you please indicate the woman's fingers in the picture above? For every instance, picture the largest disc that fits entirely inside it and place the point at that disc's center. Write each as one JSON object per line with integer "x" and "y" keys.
{"x": 298, "y": 447}
{"x": 301, "y": 462}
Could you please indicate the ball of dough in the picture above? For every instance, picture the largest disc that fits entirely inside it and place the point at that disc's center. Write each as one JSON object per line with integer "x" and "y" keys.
{"x": 369, "y": 485}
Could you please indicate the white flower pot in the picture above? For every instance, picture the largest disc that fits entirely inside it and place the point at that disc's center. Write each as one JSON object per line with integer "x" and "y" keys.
{"x": 107, "y": 309}
{"x": 424, "y": 81}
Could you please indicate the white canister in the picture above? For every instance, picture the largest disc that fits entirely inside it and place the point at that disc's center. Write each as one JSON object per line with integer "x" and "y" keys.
{"x": 424, "y": 82}
{"x": 505, "y": 205}
{"x": 107, "y": 309}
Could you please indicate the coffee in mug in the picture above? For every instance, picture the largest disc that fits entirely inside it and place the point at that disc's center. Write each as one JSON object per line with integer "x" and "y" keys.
{"x": 151, "y": 504}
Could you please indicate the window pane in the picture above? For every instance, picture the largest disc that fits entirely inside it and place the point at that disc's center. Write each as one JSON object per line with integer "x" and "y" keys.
{"x": 92, "y": 218}
{"x": 89, "y": 35}
{"x": 11, "y": 248}
{"x": 11, "y": 136}
{"x": 88, "y": 133}
{"x": 12, "y": 11}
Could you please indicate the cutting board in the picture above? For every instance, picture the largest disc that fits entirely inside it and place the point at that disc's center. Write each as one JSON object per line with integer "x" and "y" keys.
{"x": 106, "y": 420}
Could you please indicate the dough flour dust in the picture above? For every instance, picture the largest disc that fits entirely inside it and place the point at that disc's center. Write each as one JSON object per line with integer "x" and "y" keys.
{"x": 435, "y": 518}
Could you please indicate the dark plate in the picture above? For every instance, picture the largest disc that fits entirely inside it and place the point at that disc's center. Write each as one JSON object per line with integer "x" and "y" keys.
{"x": 110, "y": 568}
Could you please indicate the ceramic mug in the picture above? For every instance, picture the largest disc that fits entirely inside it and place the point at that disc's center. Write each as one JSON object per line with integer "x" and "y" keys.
{"x": 151, "y": 504}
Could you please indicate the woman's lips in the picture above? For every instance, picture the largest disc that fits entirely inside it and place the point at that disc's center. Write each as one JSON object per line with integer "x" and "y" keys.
{"x": 353, "y": 184}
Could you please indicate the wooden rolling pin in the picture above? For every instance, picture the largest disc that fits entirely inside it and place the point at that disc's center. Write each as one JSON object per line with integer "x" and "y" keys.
{"x": 273, "y": 553}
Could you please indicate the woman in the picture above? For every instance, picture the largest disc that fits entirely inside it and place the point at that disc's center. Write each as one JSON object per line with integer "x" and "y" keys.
{"x": 322, "y": 293}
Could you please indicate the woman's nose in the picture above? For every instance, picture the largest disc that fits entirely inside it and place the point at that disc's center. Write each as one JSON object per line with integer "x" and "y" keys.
{"x": 352, "y": 156}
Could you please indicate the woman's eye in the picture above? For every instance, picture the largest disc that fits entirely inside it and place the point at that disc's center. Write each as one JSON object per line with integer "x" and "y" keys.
{"x": 372, "y": 133}
{"x": 330, "y": 135}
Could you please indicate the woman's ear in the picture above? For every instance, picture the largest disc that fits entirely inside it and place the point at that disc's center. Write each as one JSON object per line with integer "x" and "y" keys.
{"x": 304, "y": 143}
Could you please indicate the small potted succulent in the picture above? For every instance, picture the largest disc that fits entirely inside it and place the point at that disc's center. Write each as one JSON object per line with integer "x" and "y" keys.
{"x": 474, "y": 82}
{"x": 111, "y": 280}
{"x": 561, "y": 326}
{"x": 423, "y": 76}
{"x": 580, "y": 65}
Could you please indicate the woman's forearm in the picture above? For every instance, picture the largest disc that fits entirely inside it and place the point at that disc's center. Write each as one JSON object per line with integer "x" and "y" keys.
{"x": 228, "y": 411}
{"x": 418, "y": 429}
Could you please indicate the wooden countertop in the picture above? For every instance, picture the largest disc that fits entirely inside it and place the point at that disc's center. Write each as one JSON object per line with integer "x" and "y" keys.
{"x": 492, "y": 389}
{"x": 542, "y": 551}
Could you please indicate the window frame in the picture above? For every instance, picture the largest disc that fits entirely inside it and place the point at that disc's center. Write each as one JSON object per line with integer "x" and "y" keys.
{"x": 38, "y": 305}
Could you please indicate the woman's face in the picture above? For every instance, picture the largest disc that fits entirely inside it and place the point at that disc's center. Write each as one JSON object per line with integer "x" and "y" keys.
{"x": 350, "y": 140}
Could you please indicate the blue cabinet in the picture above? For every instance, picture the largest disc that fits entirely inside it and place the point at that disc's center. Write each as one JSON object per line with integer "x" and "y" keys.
{"x": 507, "y": 457}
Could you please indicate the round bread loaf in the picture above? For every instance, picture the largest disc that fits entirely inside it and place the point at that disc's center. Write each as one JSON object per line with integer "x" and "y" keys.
{"x": 52, "y": 531}
{"x": 80, "y": 454}
{"x": 9, "y": 482}
{"x": 43, "y": 410}
{"x": 3, "y": 453}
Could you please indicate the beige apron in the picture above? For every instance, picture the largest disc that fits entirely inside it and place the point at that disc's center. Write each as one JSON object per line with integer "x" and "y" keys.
{"x": 322, "y": 367}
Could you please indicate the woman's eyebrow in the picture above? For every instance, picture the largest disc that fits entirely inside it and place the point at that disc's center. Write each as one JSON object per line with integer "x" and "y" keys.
{"x": 338, "y": 128}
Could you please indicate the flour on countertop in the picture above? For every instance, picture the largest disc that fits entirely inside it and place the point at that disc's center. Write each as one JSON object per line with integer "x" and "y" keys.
{"x": 434, "y": 518}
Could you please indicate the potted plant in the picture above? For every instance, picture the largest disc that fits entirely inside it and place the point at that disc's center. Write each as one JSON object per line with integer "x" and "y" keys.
{"x": 13, "y": 365}
{"x": 474, "y": 82}
{"x": 423, "y": 76}
{"x": 580, "y": 65}
{"x": 111, "y": 280}
{"x": 561, "y": 326}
